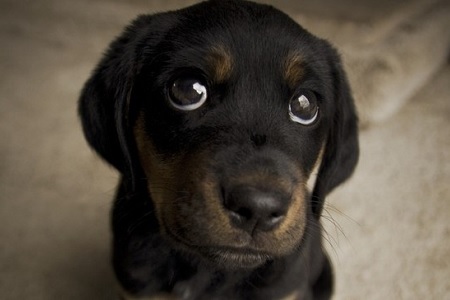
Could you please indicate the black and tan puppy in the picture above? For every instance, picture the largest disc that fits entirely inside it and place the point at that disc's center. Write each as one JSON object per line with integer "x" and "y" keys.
{"x": 219, "y": 117}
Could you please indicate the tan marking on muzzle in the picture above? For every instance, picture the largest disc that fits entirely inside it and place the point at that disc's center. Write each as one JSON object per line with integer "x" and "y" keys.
{"x": 293, "y": 226}
{"x": 159, "y": 171}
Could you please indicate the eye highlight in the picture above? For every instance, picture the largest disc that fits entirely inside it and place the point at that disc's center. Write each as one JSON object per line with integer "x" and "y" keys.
{"x": 303, "y": 108}
{"x": 187, "y": 93}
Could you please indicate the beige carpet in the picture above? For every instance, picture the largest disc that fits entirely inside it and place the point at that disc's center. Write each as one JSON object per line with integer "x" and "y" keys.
{"x": 388, "y": 228}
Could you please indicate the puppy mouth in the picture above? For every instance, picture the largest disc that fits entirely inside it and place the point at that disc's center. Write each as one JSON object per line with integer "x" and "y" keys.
{"x": 235, "y": 258}
{"x": 231, "y": 258}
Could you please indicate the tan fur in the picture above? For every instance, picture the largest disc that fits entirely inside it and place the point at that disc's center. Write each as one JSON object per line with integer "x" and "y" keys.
{"x": 159, "y": 173}
{"x": 293, "y": 296}
{"x": 220, "y": 62}
{"x": 293, "y": 69}
{"x": 311, "y": 182}
{"x": 295, "y": 221}
{"x": 164, "y": 178}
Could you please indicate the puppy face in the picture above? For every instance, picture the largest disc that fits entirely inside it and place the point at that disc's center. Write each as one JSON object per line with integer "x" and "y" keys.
{"x": 231, "y": 108}
{"x": 229, "y": 129}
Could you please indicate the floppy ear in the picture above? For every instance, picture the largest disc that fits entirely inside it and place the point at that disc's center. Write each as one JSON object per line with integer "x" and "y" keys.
{"x": 342, "y": 148}
{"x": 104, "y": 105}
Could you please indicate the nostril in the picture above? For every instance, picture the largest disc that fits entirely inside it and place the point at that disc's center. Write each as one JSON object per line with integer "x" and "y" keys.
{"x": 275, "y": 218}
{"x": 244, "y": 213}
{"x": 233, "y": 203}
{"x": 276, "y": 215}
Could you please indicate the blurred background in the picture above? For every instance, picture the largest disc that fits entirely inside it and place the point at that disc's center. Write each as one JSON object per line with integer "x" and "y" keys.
{"x": 388, "y": 228}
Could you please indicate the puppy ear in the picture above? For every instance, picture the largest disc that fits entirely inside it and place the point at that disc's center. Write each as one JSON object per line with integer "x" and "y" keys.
{"x": 342, "y": 148}
{"x": 104, "y": 104}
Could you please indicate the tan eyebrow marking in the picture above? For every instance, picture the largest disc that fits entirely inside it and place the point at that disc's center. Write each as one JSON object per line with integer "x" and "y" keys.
{"x": 221, "y": 63}
{"x": 293, "y": 68}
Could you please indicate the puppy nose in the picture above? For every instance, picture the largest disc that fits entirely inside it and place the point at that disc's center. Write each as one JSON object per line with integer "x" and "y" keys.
{"x": 254, "y": 209}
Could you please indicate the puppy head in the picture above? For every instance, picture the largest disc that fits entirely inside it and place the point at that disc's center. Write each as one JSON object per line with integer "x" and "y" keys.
{"x": 226, "y": 109}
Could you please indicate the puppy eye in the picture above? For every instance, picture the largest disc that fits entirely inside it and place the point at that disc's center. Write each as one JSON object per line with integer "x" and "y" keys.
{"x": 187, "y": 94}
{"x": 303, "y": 108}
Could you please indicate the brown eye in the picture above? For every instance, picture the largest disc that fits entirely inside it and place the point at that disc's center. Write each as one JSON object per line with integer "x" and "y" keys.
{"x": 303, "y": 108}
{"x": 187, "y": 94}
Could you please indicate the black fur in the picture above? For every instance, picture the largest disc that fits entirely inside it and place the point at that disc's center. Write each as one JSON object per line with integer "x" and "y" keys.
{"x": 245, "y": 119}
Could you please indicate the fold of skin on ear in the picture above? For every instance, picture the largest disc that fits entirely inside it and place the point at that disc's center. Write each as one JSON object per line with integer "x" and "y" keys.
{"x": 104, "y": 106}
{"x": 342, "y": 148}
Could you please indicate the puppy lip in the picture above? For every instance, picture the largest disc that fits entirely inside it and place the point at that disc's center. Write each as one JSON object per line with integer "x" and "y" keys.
{"x": 236, "y": 258}
{"x": 225, "y": 257}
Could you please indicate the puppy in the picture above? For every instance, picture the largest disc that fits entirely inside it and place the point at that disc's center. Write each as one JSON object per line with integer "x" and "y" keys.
{"x": 229, "y": 124}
